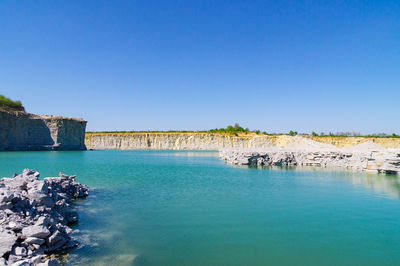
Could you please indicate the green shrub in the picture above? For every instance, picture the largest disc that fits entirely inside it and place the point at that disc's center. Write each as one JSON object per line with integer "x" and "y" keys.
{"x": 292, "y": 133}
{"x": 231, "y": 129}
{"x": 10, "y": 105}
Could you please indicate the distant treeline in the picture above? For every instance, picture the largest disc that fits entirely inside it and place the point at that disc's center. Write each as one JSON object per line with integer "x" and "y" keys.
{"x": 10, "y": 105}
{"x": 355, "y": 134}
{"x": 236, "y": 129}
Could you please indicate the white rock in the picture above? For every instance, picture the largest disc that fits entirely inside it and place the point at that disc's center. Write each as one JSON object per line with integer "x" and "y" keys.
{"x": 7, "y": 240}
{"x": 34, "y": 240}
{"x": 23, "y": 263}
{"x": 20, "y": 251}
{"x": 36, "y": 231}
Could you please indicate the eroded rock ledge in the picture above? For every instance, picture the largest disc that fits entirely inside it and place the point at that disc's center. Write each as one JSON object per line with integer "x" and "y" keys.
{"x": 380, "y": 161}
{"x": 20, "y": 131}
{"x": 34, "y": 217}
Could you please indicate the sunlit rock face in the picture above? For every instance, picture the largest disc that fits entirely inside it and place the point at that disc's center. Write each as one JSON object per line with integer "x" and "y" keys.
{"x": 172, "y": 141}
{"x": 23, "y": 131}
{"x": 217, "y": 141}
{"x": 378, "y": 161}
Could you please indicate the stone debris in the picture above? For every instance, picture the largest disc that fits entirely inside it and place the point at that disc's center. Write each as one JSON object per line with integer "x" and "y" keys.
{"x": 34, "y": 217}
{"x": 367, "y": 146}
{"x": 367, "y": 157}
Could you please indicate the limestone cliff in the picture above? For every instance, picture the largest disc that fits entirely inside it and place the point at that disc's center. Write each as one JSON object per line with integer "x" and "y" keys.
{"x": 170, "y": 141}
{"x": 216, "y": 141}
{"x": 23, "y": 131}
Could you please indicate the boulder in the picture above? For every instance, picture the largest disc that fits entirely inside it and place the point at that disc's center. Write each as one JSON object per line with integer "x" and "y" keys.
{"x": 35, "y": 231}
{"x": 7, "y": 240}
{"x": 42, "y": 221}
{"x": 56, "y": 241}
{"x": 34, "y": 240}
{"x": 20, "y": 251}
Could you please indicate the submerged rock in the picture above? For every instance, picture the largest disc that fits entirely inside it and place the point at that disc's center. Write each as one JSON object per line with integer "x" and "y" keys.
{"x": 34, "y": 217}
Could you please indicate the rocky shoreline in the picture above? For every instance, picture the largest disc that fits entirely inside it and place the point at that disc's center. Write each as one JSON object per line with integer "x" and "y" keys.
{"x": 378, "y": 161}
{"x": 34, "y": 217}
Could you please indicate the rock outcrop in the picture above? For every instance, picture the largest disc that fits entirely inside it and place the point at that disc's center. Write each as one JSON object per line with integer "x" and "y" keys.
{"x": 23, "y": 131}
{"x": 172, "y": 141}
{"x": 379, "y": 161}
{"x": 34, "y": 217}
{"x": 217, "y": 141}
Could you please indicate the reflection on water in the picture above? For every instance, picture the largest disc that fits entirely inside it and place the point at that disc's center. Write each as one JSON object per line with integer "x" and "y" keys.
{"x": 379, "y": 183}
{"x": 190, "y": 208}
{"x": 189, "y": 154}
{"x": 388, "y": 184}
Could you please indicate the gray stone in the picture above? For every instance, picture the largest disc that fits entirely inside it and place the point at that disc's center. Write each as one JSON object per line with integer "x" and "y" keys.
{"x": 20, "y": 251}
{"x": 36, "y": 231}
{"x": 36, "y": 246}
{"x": 26, "y": 262}
{"x": 42, "y": 221}
{"x": 6, "y": 196}
{"x": 14, "y": 225}
{"x": 7, "y": 240}
{"x": 56, "y": 241}
{"x": 34, "y": 240}
{"x": 28, "y": 208}
{"x": 383, "y": 161}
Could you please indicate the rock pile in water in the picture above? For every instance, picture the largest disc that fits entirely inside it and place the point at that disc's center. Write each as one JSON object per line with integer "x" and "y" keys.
{"x": 372, "y": 160}
{"x": 34, "y": 217}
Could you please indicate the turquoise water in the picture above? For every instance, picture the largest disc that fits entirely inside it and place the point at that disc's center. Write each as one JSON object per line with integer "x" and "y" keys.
{"x": 189, "y": 208}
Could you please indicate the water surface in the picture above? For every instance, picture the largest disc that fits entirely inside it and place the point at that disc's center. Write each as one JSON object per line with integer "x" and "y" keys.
{"x": 189, "y": 208}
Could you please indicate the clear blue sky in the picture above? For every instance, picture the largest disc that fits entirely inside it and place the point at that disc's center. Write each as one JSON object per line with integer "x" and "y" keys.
{"x": 159, "y": 65}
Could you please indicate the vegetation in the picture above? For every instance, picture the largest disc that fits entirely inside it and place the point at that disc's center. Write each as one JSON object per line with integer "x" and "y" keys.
{"x": 231, "y": 129}
{"x": 236, "y": 129}
{"x": 10, "y": 105}
{"x": 355, "y": 134}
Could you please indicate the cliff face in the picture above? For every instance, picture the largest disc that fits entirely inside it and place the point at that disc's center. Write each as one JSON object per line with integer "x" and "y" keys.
{"x": 23, "y": 131}
{"x": 171, "y": 141}
{"x": 215, "y": 141}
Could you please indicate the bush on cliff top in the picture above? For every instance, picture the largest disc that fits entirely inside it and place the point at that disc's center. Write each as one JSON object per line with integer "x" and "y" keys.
{"x": 231, "y": 129}
{"x": 10, "y": 105}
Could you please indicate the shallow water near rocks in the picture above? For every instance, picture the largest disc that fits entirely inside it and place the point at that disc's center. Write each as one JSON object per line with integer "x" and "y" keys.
{"x": 189, "y": 208}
